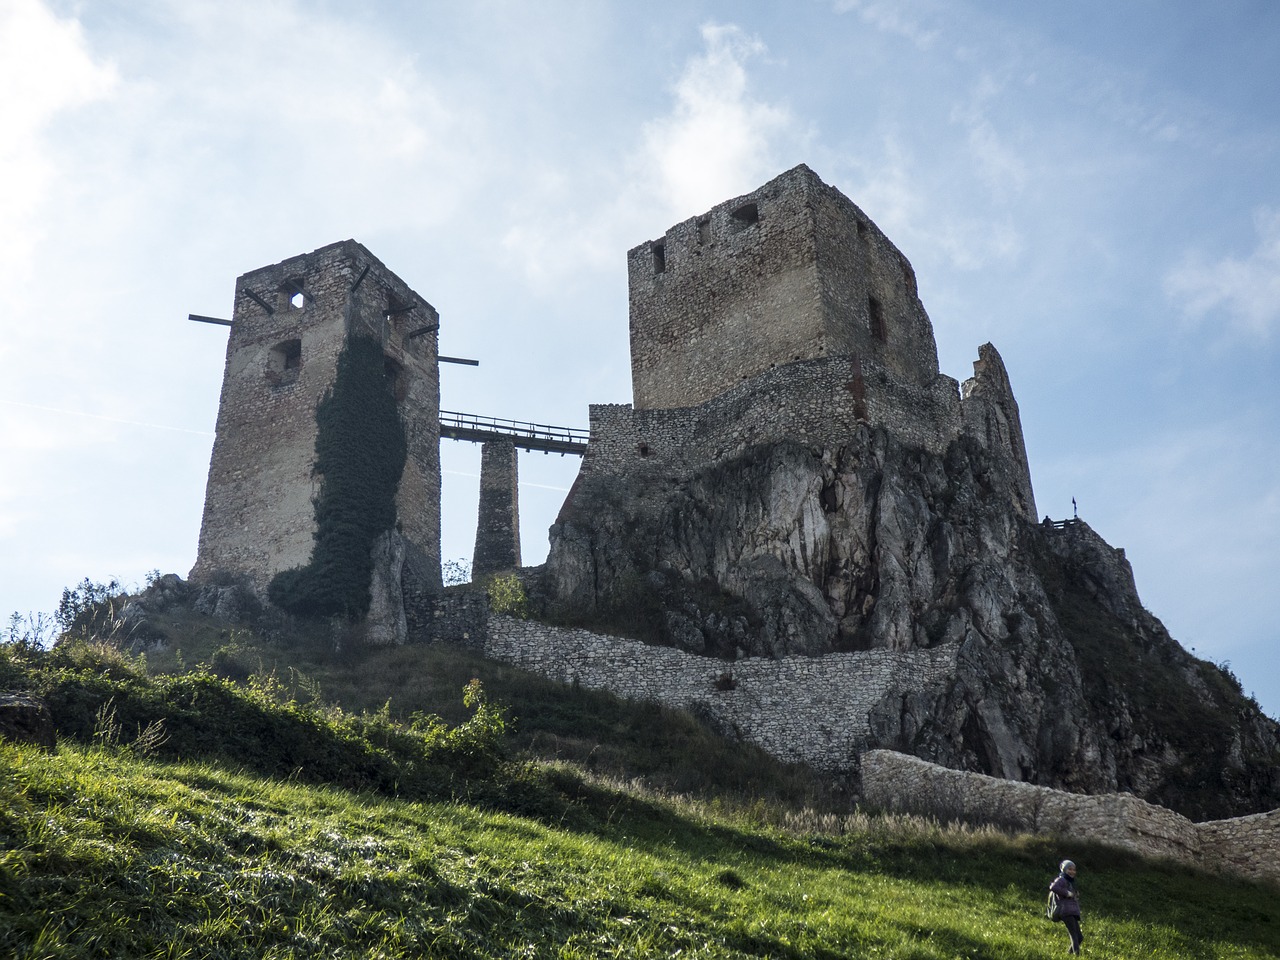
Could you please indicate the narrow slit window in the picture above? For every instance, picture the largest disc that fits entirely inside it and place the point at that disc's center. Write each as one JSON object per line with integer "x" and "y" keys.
{"x": 659, "y": 257}
{"x": 704, "y": 230}
{"x": 875, "y": 314}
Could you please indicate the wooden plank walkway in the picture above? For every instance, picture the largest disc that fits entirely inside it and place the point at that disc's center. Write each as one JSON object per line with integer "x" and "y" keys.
{"x": 526, "y": 436}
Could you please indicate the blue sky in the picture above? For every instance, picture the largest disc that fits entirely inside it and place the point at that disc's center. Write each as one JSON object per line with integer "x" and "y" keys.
{"x": 1091, "y": 186}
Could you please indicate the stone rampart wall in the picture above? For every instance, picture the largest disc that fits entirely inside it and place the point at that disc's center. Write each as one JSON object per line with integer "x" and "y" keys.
{"x": 815, "y": 710}
{"x": 1244, "y": 845}
{"x": 810, "y": 709}
{"x": 458, "y": 616}
{"x": 817, "y": 401}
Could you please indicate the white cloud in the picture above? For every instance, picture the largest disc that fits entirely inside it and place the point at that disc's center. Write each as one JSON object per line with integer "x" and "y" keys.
{"x": 1247, "y": 290}
{"x": 45, "y": 70}
{"x": 890, "y": 16}
{"x": 927, "y": 218}
{"x": 718, "y": 140}
{"x": 999, "y": 166}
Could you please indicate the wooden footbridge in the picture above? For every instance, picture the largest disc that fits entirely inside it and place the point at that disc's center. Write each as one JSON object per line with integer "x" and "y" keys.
{"x": 526, "y": 436}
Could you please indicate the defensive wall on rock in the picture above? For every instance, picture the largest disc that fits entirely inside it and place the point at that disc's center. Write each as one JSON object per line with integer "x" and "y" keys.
{"x": 1245, "y": 846}
{"x": 787, "y": 315}
{"x": 815, "y": 710}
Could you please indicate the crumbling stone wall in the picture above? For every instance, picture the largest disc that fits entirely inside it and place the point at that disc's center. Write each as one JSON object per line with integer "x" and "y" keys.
{"x": 1242, "y": 845}
{"x": 809, "y": 709}
{"x": 809, "y": 402}
{"x": 289, "y": 323}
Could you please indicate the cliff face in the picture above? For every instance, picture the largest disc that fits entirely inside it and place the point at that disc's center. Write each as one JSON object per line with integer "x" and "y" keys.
{"x": 798, "y": 478}
{"x": 787, "y": 548}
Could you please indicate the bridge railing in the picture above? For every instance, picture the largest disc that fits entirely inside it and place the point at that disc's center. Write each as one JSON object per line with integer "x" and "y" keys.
{"x": 528, "y": 436}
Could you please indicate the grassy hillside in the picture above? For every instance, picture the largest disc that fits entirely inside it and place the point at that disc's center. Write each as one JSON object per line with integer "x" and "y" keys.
{"x": 192, "y": 814}
{"x": 103, "y": 854}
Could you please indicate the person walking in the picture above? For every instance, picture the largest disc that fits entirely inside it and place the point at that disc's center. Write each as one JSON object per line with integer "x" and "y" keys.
{"x": 1064, "y": 888}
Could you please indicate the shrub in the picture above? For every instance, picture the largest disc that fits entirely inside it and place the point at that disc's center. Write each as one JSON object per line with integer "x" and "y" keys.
{"x": 507, "y": 596}
{"x": 101, "y": 696}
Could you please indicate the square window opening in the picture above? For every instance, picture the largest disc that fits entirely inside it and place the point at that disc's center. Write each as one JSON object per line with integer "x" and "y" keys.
{"x": 747, "y": 215}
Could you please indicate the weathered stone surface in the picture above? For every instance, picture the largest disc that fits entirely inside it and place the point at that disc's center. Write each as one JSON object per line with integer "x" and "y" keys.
{"x": 810, "y": 709}
{"x": 498, "y": 523}
{"x": 386, "y": 623}
{"x": 25, "y": 718}
{"x": 290, "y": 322}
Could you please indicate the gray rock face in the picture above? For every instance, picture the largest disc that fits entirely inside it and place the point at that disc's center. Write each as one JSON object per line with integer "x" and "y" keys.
{"x": 386, "y": 624}
{"x": 1063, "y": 679}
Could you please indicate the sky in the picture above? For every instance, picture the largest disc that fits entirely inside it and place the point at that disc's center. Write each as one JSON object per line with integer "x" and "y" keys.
{"x": 1094, "y": 187}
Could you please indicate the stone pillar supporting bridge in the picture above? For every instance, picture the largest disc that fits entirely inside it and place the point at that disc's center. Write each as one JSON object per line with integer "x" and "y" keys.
{"x": 498, "y": 524}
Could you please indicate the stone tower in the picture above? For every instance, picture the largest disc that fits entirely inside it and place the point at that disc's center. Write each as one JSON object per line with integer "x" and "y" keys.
{"x": 289, "y": 323}
{"x": 792, "y": 271}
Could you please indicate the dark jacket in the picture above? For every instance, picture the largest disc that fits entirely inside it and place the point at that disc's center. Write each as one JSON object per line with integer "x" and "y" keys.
{"x": 1065, "y": 888}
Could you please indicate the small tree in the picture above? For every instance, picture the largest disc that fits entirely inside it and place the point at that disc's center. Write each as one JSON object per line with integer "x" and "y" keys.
{"x": 507, "y": 596}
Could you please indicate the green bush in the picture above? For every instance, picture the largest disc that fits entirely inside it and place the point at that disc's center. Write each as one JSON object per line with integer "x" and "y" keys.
{"x": 99, "y": 695}
{"x": 507, "y": 596}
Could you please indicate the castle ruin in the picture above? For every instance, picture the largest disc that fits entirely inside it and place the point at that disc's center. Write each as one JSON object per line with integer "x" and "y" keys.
{"x": 799, "y": 528}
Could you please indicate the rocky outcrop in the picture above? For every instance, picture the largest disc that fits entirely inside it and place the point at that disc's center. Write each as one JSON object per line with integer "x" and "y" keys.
{"x": 1062, "y": 678}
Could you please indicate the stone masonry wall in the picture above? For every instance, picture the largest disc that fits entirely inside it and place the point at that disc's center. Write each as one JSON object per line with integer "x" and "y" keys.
{"x": 289, "y": 323}
{"x": 814, "y": 401}
{"x": 818, "y": 402}
{"x": 815, "y": 710}
{"x": 808, "y": 709}
{"x": 1244, "y": 845}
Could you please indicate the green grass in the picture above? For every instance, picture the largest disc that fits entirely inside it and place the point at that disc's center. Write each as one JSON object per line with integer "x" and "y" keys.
{"x": 310, "y": 809}
{"x": 103, "y": 854}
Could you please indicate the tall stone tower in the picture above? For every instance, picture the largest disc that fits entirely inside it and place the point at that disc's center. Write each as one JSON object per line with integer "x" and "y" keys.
{"x": 289, "y": 323}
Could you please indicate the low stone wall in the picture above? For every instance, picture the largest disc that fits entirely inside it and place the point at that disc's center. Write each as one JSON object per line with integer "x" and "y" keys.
{"x": 809, "y": 709}
{"x": 1244, "y": 846}
{"x": 1248, "y": 846}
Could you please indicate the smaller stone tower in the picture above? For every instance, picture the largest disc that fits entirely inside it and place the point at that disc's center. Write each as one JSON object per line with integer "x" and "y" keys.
{"x": 289, "y": 323}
